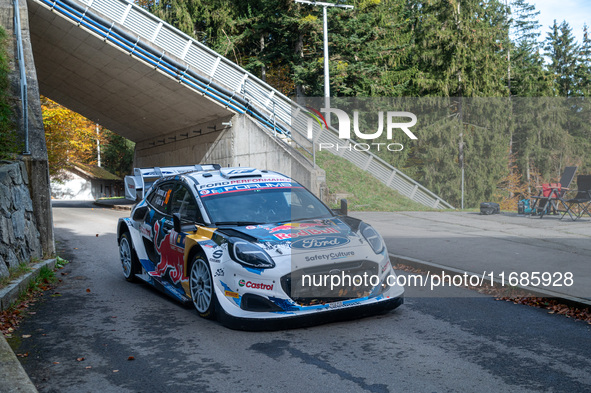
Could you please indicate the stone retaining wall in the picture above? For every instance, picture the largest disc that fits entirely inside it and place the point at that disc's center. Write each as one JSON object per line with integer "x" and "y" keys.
{"x": 19, "y": 237}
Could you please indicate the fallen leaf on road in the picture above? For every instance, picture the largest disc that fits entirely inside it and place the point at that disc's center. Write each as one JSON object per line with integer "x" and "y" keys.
{"x": 79, "y": 359}
{"x": 87, "y": 289}
{"x": 97, "y": 235}
{"x": 87, "y": 367}
{"x": 115, "y": 371}
{"x": 56, "y": 362}
{"x": 131, "y": 358}
{"x": 26, "y": 336}
{"x": 22, "y": 355}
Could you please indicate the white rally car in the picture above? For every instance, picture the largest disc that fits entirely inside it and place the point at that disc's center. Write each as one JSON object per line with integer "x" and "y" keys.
{"x": 252, "y": 248}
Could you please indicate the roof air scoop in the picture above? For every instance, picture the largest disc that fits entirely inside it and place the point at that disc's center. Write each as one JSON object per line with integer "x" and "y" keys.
{"x": 233, "y": 173}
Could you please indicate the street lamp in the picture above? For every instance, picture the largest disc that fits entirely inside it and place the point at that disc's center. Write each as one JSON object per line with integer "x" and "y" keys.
{"x": 325, "y": 23}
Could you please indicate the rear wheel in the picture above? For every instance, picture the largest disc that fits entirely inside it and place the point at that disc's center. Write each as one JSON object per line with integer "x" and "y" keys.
{"x": 129, "y": 262}
{"x": 201, "y": 286}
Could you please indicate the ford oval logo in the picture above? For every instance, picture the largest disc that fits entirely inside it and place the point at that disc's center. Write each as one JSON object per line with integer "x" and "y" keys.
{"x": 320, "y": 242}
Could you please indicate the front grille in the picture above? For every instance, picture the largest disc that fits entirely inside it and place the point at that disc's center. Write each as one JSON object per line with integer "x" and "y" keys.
{"x": 314, "y": 285}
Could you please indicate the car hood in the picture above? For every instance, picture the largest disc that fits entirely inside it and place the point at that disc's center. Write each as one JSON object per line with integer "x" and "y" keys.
{"x": 303, "y": 235}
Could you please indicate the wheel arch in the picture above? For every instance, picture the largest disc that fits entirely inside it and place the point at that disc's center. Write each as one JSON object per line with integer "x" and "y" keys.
{"x": 122, "y": 227}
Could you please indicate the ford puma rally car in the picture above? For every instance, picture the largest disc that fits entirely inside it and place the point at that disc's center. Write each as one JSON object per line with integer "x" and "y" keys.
{"x": 252, "y": 248}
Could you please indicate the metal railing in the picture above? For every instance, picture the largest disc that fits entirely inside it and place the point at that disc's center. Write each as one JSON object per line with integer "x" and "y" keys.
{"x": 166, "y": 48}
{"x": 23, "y": 74}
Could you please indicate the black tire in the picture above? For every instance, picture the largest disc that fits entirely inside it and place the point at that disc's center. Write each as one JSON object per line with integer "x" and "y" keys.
{"x": 202, "y": 288}
{"x": 129, "y": 261}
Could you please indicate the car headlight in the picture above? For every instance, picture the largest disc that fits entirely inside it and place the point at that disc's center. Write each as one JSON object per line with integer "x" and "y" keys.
{"x": 250, "y": 255}
{"x": 373, "y": 237}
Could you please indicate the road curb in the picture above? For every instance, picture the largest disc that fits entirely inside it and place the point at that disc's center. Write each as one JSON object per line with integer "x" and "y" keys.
{"x": 435, "y": 268}
{"x": 19, "y": 285}
{"x": 13, "y": 377}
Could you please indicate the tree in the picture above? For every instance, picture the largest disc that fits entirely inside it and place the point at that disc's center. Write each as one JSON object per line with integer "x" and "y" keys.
{"x": 562, "y": 49}
{"x": 69, "y": 136}
{"x": 528, "y": 78}
{"x": 117, "y": 154}
{"x": 459, "y": 48}
{"x": 583, "y": 71}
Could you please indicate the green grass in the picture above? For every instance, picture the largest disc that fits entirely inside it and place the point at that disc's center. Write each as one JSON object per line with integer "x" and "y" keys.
{"x": 23, "y": 268}
{"x": 366, "y": 192}
{"x": 15, "y": 272}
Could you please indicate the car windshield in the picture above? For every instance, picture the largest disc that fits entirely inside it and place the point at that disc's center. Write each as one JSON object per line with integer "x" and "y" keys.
{"x": 262, "y": 206}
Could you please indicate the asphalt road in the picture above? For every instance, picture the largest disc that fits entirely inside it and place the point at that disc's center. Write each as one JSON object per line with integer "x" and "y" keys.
{"x": 450, "y": 344}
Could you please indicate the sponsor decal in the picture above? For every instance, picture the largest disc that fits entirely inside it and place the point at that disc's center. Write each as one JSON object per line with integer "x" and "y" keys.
{"x": 385, "y": 267}
{"x": 246, "y": 187}
{"x": 219, "y": 273}
{"x": 320, "y": 242}
{"x": 255, "y": 285}
{"x": 146, "y": 230}
{"x": 331, "y": 256}
{"x": 217, "y": 254}
{"x": 232, "y": 294}
{"x": 341, "y": 304}
{"x": 171, "y": 250}
{"x": 243, "y": 181}
{"x": 306, "y": 232}
{"x": 295, "y": 225}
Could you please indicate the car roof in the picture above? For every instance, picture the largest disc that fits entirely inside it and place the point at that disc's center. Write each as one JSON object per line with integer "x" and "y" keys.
{"x": 234, "y": 175}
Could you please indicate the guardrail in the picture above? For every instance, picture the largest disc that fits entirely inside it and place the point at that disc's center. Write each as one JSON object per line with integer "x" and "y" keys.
{"x": 200, "y": 68}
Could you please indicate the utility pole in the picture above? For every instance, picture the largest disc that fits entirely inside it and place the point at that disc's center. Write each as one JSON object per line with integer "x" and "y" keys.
{"x": 98, "y": 145}
{"x": 325, "y": 28}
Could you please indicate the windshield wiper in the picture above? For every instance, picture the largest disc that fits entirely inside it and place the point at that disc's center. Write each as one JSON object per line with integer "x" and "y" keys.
{"x": 238, "y": 223}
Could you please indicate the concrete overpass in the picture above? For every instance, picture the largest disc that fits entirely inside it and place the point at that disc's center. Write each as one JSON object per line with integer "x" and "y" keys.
{"x": 122, "y": 67}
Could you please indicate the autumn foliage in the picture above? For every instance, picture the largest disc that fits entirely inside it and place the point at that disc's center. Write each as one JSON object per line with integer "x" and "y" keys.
{"x": 71, "y": 137}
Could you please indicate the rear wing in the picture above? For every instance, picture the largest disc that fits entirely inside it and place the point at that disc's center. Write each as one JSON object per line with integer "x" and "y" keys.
{"x": 139, "y": 183}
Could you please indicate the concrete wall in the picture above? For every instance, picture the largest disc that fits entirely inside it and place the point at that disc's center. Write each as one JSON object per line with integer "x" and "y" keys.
{"x": 245, "y": 143}
{"x": 36, "y": 162}
{"x": 248, "y": 144}
{"x": 19, "y": 237}
{"x": 181, "y": 147}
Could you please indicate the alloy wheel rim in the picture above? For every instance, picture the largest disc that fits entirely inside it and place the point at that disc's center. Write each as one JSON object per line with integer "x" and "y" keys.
{"x": 125, "y": 255}
{"x": 201, "y": 288}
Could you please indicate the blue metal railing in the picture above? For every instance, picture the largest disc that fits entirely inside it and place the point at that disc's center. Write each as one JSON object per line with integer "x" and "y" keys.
{"x": 23, "y": 75}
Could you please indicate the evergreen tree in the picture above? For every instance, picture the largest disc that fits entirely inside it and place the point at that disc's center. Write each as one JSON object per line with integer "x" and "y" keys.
{"x": 528, "y": 78}
{"x": 562, "y": 50}
{"x": 583, "y": 72}
{"x": 118, "y": 154}
{"x": 460, "y": 48}
{"x": 209, "y": 21}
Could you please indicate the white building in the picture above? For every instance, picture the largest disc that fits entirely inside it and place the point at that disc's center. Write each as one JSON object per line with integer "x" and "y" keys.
{"x": 85, "y": 182}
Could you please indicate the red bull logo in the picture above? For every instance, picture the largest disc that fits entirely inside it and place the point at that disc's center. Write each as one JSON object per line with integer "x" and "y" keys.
{"x": 292, "y": 226}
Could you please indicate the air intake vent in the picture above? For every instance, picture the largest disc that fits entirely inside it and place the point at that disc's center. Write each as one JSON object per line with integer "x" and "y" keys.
{"x": 233, "y": 173}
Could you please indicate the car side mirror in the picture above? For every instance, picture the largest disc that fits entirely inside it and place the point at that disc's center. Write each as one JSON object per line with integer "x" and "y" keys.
{"x": 140, "y": 213}
{"x": 176, "y": 221}
{"x": 344, "y": 210}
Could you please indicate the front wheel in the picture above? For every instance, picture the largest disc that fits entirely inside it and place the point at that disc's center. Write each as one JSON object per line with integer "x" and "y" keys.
{"x": 201, "y": 286}
{"x": 129, "y": 261}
